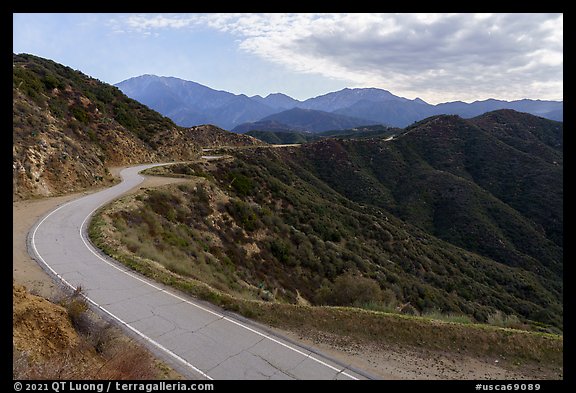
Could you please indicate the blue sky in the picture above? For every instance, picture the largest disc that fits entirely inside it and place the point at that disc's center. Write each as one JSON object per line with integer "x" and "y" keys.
{"x": 437, "y": 57}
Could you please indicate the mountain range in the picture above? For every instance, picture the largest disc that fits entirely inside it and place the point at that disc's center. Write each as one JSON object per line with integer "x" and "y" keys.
{"x": 189, "y": 103}
{"x": 458, "y": 215}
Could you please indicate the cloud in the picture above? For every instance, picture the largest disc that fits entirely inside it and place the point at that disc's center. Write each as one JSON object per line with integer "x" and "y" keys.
{"x": 438, "y": 57}
{"x": 146, "y": 23}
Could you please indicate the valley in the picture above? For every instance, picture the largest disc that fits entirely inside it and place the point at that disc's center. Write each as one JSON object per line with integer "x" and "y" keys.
{"x": 431, "y": 251}
{"x": 334, "y": 328}
{"x": 389, "y": 360}
{"x": 238, "y": 209}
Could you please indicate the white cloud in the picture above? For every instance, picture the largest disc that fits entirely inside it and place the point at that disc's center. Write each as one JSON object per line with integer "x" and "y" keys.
{"x": 438, "y": 57}
{"x": 144, "y": 23}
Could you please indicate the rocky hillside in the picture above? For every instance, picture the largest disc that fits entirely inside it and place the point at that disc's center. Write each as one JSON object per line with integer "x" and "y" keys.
{"x": 68, "y": 128}
{"x": 40, "y": 328}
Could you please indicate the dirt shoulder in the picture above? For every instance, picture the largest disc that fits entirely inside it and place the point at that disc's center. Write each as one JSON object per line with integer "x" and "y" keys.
{"x": 402, "y": 363}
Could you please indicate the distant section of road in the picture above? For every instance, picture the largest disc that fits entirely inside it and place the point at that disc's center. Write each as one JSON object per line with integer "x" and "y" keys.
{"x": 198, "y": 339}
{"x": 212, "y": 158}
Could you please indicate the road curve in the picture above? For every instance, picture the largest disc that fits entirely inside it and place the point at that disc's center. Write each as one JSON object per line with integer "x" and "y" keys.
{"x": 197, "y": 339}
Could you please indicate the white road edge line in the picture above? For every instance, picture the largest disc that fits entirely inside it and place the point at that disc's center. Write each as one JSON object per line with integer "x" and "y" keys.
{"x": 203, "y": 308}
{"x": 139, "y": 333}
{"x": 340, "y": 371}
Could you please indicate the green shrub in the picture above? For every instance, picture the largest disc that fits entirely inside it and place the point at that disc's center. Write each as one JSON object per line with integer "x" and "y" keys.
{"x": 280, "y": 249}
{"x": 244, "y": 215}
{"x": 242, "y": 184}
{"x": 350, "y": 290}
{"x": 51, "y": 82}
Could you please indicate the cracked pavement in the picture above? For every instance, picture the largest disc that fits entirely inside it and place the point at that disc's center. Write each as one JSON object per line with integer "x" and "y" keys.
{"x": 197, "y": 339}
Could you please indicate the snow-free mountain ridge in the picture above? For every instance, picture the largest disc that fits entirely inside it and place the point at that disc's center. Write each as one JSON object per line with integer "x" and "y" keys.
{"x": 189, "y": 103}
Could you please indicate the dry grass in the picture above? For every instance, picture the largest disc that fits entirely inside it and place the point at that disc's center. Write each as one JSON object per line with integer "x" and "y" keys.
{"x": 418, "y": 332}
{"x": 380, "y": 328}
{"x": 452, "y": 333}
{"x": 130, "y": 362}
{"x": 83, "y": 347}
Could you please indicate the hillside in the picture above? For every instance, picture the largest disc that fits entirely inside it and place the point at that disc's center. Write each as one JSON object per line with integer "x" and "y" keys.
{"x": 282, "y": 137}
{"x": 366, "y": 223}
{"x": 267, "y": 126}
{"x": 305, "y": 120}
{"x": 456, "y": 218}
{"x": 62, "y": 341}
{"x": 68, "y": 128}
{"x": 288, "y": 137}
{"x": 462, "y": 183}
{"x": 211, "y": 136}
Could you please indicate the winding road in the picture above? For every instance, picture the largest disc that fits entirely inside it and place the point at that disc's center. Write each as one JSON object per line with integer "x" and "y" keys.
{"x": 197, "y": 339}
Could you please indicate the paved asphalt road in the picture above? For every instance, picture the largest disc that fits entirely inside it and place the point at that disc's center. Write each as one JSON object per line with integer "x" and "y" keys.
{"x": 199, "y": 340}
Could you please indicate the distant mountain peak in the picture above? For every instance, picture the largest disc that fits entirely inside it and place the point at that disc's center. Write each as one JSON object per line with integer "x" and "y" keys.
{"x": 190, "y": 103}
{"x": 271, "y": 95}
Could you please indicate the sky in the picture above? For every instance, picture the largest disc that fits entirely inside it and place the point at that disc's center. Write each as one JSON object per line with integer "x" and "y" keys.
{"x": 435, "y": 57}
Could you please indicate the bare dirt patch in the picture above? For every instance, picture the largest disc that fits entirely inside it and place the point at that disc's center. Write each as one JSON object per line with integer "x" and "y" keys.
{"x": 54, "y": 341}
{"x": 40, "y": 328}
{"x": 403, "y": 363}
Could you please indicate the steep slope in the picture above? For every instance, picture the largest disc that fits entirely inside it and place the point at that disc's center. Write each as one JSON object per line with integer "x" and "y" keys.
{"x": 209, "y": 135}
{"x": 431, "y": 219}
{"x": 68, "y": 128}
{"x": 454, "y": 179}
{"x": 537, "y": 189}
{"x": 282, "y": 225}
